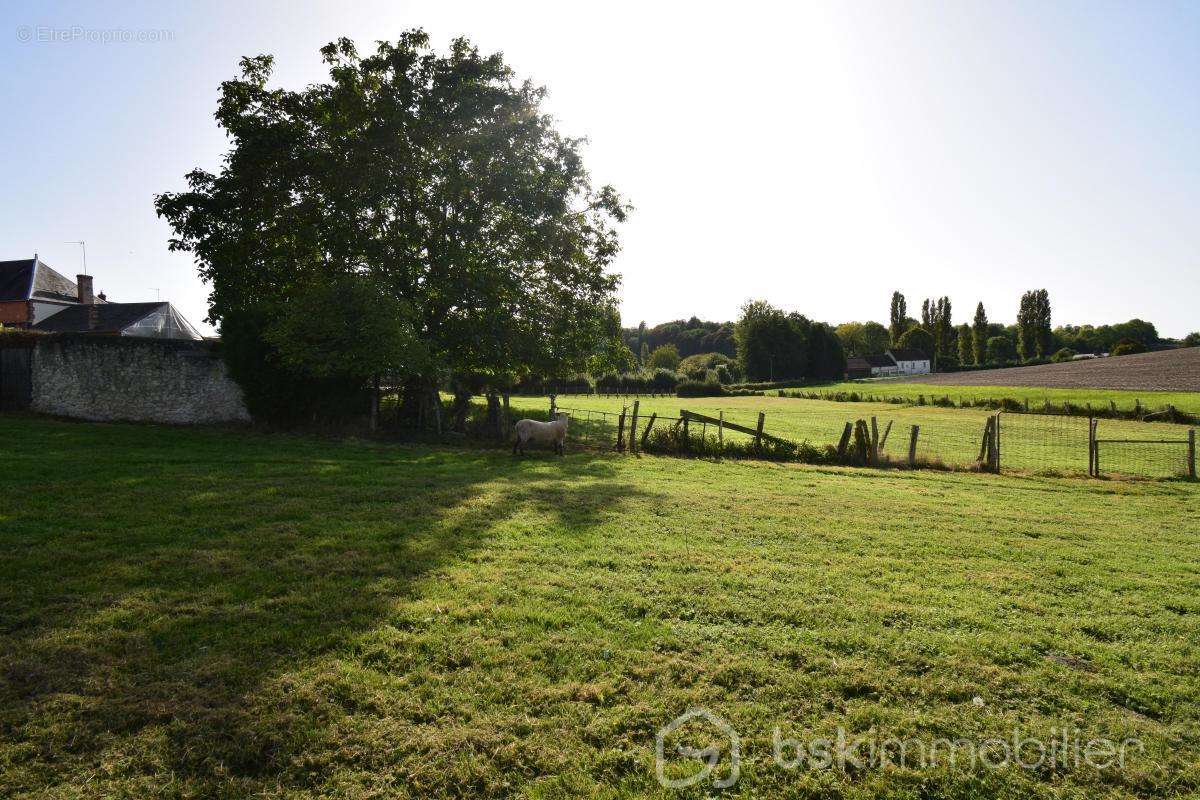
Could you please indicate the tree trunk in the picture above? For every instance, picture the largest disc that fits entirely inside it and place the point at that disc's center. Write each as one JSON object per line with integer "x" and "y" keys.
{"x": 415, "y": 408}
{"x": 493, "y": 426}
{"x": 462, "y": 403}
{"x": 375, "y": 405}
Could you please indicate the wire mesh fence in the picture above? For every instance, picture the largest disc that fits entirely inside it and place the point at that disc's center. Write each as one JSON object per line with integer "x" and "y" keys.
{"x": 952, "y": 438}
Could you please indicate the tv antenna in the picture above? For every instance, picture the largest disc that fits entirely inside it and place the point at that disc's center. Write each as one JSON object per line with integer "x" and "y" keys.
{"x": 83, "y": 246}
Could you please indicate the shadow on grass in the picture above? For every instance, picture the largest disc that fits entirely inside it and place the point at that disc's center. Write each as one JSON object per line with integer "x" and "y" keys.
{"x": 153, "y": 579}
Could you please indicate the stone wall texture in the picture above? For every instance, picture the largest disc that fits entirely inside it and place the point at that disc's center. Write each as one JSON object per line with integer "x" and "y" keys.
{"x": 132, "y": 379}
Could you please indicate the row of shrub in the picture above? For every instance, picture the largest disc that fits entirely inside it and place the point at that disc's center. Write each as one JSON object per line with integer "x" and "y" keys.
{"x": 1010, "y": 404}
{"x": 711, "y": 388}
{"x": 692, "y": 383}
{"x": 671, "y": 441}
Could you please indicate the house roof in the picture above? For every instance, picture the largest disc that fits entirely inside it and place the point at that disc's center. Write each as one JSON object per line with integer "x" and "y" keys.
{"x": 907, "y": 355}
{"x": 33, "y": 279}
{"x": 16, "y": 279}
{"x": 879, "y": 360}
{"x": 158, "y": 320}
{"x": 110, "y": 317}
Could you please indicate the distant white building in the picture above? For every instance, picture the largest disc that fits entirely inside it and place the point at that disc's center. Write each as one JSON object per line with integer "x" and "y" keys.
{"x": 910, "y": 362}
{"x": 888, "y": 365}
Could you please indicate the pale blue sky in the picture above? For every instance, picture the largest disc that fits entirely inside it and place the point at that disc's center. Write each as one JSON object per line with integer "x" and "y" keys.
{"x": 818, "y": 155}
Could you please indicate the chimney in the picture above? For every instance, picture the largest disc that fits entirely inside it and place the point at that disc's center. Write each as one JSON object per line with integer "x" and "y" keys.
{"x": 85, "y": 289}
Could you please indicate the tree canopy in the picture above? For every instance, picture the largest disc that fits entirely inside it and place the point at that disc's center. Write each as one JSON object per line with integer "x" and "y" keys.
{"x": 863, "y": 338}
{"x": 427, "y": 192}
{"x": 773, "y": 345}
{"x": 919, "y": 339}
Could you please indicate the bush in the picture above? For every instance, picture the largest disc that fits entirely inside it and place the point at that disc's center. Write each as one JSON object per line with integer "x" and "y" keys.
{"x": 999, "y": 350}
{"x": 609, "y": 383}
{"x": 706, "y": 361}
{"x": 664, "y": 380}
{"x": 670, "y": 440}
{"x": 1063, "y": 354}
{"x": 1128, "y": 347}
{"x": 723, "y": 374}
{"x": 665, "y": 356}
{"x": 277, "y": 395}
{"x": 690, "y": 388}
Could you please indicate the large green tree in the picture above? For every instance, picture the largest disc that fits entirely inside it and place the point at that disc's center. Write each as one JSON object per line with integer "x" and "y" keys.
{"x": 979, "y": 335}
{"x": 430, "y": 190}
{"x": 919, "y": 339}
{"x": 935, "y": 318}
{"x": 769, "y": 345}
{"x": 965, "y": 351}
{"x": 1035, "y": 338}
{"x": 898, "y": 317}
{"x": 863, "y": 338}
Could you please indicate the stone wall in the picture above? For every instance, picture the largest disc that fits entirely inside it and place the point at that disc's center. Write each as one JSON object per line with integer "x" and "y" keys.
{"x": 128, "y": 378}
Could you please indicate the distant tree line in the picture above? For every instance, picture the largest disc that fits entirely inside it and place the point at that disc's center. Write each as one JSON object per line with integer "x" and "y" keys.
{"x": 982, "y": 343}
{"x": 689, "y": 337}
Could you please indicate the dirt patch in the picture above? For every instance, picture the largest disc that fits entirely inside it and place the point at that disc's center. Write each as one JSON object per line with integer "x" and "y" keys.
{"x": 1166, "y": 370}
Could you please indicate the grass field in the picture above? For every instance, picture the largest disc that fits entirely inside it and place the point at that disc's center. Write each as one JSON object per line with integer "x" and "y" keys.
{"x": 1098, "y": 398}
{"x": 197, "y": 613}
{"x": 1031, "y": 443}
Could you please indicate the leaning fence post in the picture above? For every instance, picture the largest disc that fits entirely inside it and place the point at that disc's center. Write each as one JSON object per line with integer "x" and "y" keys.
{"x": 1192, "y": 453}
{"x": 844, "y": 442}
{"x": 633, "y": 427}
{"x": 687, "y": 442}
{"x": 884, "y": 438}
{"x": 621, "y": 430}
{"x": 912, "y": 445}
{"x": 649, "y": 425}
{"x": 874, "y": 442}
{"x": 758, "y": 435}
{"x": 985, "y": 449}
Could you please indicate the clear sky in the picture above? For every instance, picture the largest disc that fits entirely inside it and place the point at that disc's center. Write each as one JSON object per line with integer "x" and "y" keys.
{"x": 818, "y": 155}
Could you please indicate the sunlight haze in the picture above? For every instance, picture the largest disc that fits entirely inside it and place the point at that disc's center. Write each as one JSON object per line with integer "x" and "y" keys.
{"x": 819, "y": 155}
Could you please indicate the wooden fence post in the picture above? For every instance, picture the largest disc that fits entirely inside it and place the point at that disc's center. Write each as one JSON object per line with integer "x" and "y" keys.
{"x": 1191, "y": 453}
{"x": 996, "y": 442}
{"x": 621, "y": 430}
{"x": 758, "y": 436}
{"x": 985, "y": 444}
{"x": 886, "y": 431}
{"x": 553, "y": 407}
{"x": 721, "y": 435}
{"x": 844, "y": 442}
{"x": 912, "y": 445}
{"x": 874, "y": 441}
{"x": 649, "y": 425}
{"x": 687, "y": 442}
{"x": 633, "y": 427}
{"x": 1091, "y": 446}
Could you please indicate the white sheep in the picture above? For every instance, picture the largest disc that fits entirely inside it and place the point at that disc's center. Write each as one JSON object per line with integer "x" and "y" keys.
{"x": 530, "y": 430}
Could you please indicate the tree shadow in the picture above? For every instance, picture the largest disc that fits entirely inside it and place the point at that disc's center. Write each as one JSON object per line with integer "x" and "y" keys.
{"x": 154, "y": 579}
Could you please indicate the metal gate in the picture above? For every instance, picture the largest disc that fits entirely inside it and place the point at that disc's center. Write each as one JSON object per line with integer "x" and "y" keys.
{"x": 16, "y": 378}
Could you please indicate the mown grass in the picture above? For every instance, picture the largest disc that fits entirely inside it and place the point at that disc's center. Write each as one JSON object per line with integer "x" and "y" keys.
{"x": 1098, "y": 398}
{"x": 193, "y": 613}
{"x": 1030, "y": 443}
